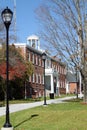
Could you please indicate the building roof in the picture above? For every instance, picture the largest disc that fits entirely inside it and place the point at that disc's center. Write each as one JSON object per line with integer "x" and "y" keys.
{"x": 19, "y": 44}
{"x": 33, "y": 37}
{"x": 40, "y": 53}
{"x": 35, "y": 50}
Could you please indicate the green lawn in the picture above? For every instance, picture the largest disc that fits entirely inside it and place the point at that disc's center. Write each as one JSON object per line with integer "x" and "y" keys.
{"x": 66, "y": 116}
{"x": 2, "y": 103}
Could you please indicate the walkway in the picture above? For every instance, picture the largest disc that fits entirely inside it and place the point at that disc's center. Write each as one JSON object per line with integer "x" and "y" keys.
{"x": 22, "y": 106}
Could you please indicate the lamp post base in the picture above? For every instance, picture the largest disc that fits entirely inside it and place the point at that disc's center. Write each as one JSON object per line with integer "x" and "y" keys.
{"x": 8, "y": 128}
{"x": 45, "y": 104}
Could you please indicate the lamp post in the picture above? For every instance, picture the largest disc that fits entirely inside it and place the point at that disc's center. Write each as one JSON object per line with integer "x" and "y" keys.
{"x": 7, "y": 15}
{"x": 44, "y": 58}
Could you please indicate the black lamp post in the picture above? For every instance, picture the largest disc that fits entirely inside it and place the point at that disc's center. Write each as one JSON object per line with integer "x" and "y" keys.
{"x": 44, "y": 58}
{"x": 7, "y": 15}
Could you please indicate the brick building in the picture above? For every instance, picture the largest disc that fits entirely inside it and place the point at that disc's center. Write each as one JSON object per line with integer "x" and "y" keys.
{"x": 73, "y": 83}
{"x": 55, "y": 70}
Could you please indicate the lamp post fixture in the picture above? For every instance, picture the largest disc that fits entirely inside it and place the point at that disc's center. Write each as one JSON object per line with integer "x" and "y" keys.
{"x": 7, "y": 15}
{"x": 44, "y": 58}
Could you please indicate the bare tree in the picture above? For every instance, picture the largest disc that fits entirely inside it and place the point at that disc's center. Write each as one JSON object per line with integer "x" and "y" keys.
{"x": 63, "y": 28}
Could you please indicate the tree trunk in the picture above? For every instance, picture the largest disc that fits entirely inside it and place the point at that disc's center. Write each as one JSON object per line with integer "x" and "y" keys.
{"x": 85, "y": 90}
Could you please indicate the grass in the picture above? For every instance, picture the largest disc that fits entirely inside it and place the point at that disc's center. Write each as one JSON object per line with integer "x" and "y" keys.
{"x": 2, "y": 103}
{"x": 65, "y": 116}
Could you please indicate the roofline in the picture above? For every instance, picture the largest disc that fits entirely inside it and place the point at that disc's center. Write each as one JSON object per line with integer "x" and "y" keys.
{"x": 41, "y": 52}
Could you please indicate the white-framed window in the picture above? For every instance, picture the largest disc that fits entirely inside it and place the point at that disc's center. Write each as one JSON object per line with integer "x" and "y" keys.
{"x": 39, "y": 79}
{"x": 39, "y": 60}
{"x": 33, "y": 58}
{"x": 36, "y": 78}
{"x": 36, "y": 60}
{"x": 33, "y": 79}
{"x": 59, "y": 69}
{"x": 29, "y": 56}
{"x": 63, "y": 84}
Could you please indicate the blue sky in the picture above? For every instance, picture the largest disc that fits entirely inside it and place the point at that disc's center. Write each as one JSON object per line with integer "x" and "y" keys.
{"x": 26, "y": 22}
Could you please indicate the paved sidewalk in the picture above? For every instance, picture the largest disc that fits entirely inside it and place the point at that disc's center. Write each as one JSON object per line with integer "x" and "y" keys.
{"x": 22, "y": 106}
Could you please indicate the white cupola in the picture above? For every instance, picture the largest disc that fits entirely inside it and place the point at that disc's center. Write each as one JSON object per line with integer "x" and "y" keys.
{"x": 33, "y": 41}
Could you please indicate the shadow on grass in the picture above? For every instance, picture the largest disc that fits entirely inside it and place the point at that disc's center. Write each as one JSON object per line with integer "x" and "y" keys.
{"x": 32, "y": 116}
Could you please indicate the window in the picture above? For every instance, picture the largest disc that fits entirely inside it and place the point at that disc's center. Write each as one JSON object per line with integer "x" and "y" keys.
{"x": 39, "y": 78}
{"x": 36, "y": 60}
{"x": 39, "y": 61}
{"x": 36, "y": 78}
{"x": 33, "y": 43}
{"x": 33, "y": 58}
{"x": 59, "y": 69}
{"x": 33, "y": 78}
{"x": 29, "y": 57}
{"x": 30, "y": 42}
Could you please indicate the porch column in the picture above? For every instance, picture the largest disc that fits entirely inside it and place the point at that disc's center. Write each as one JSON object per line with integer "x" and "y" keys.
{"x": 58, "y": 93}
{"x": 52, "y": 84}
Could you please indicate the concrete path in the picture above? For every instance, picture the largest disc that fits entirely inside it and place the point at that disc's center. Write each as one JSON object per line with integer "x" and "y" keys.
{"x": 22, "y": 106}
